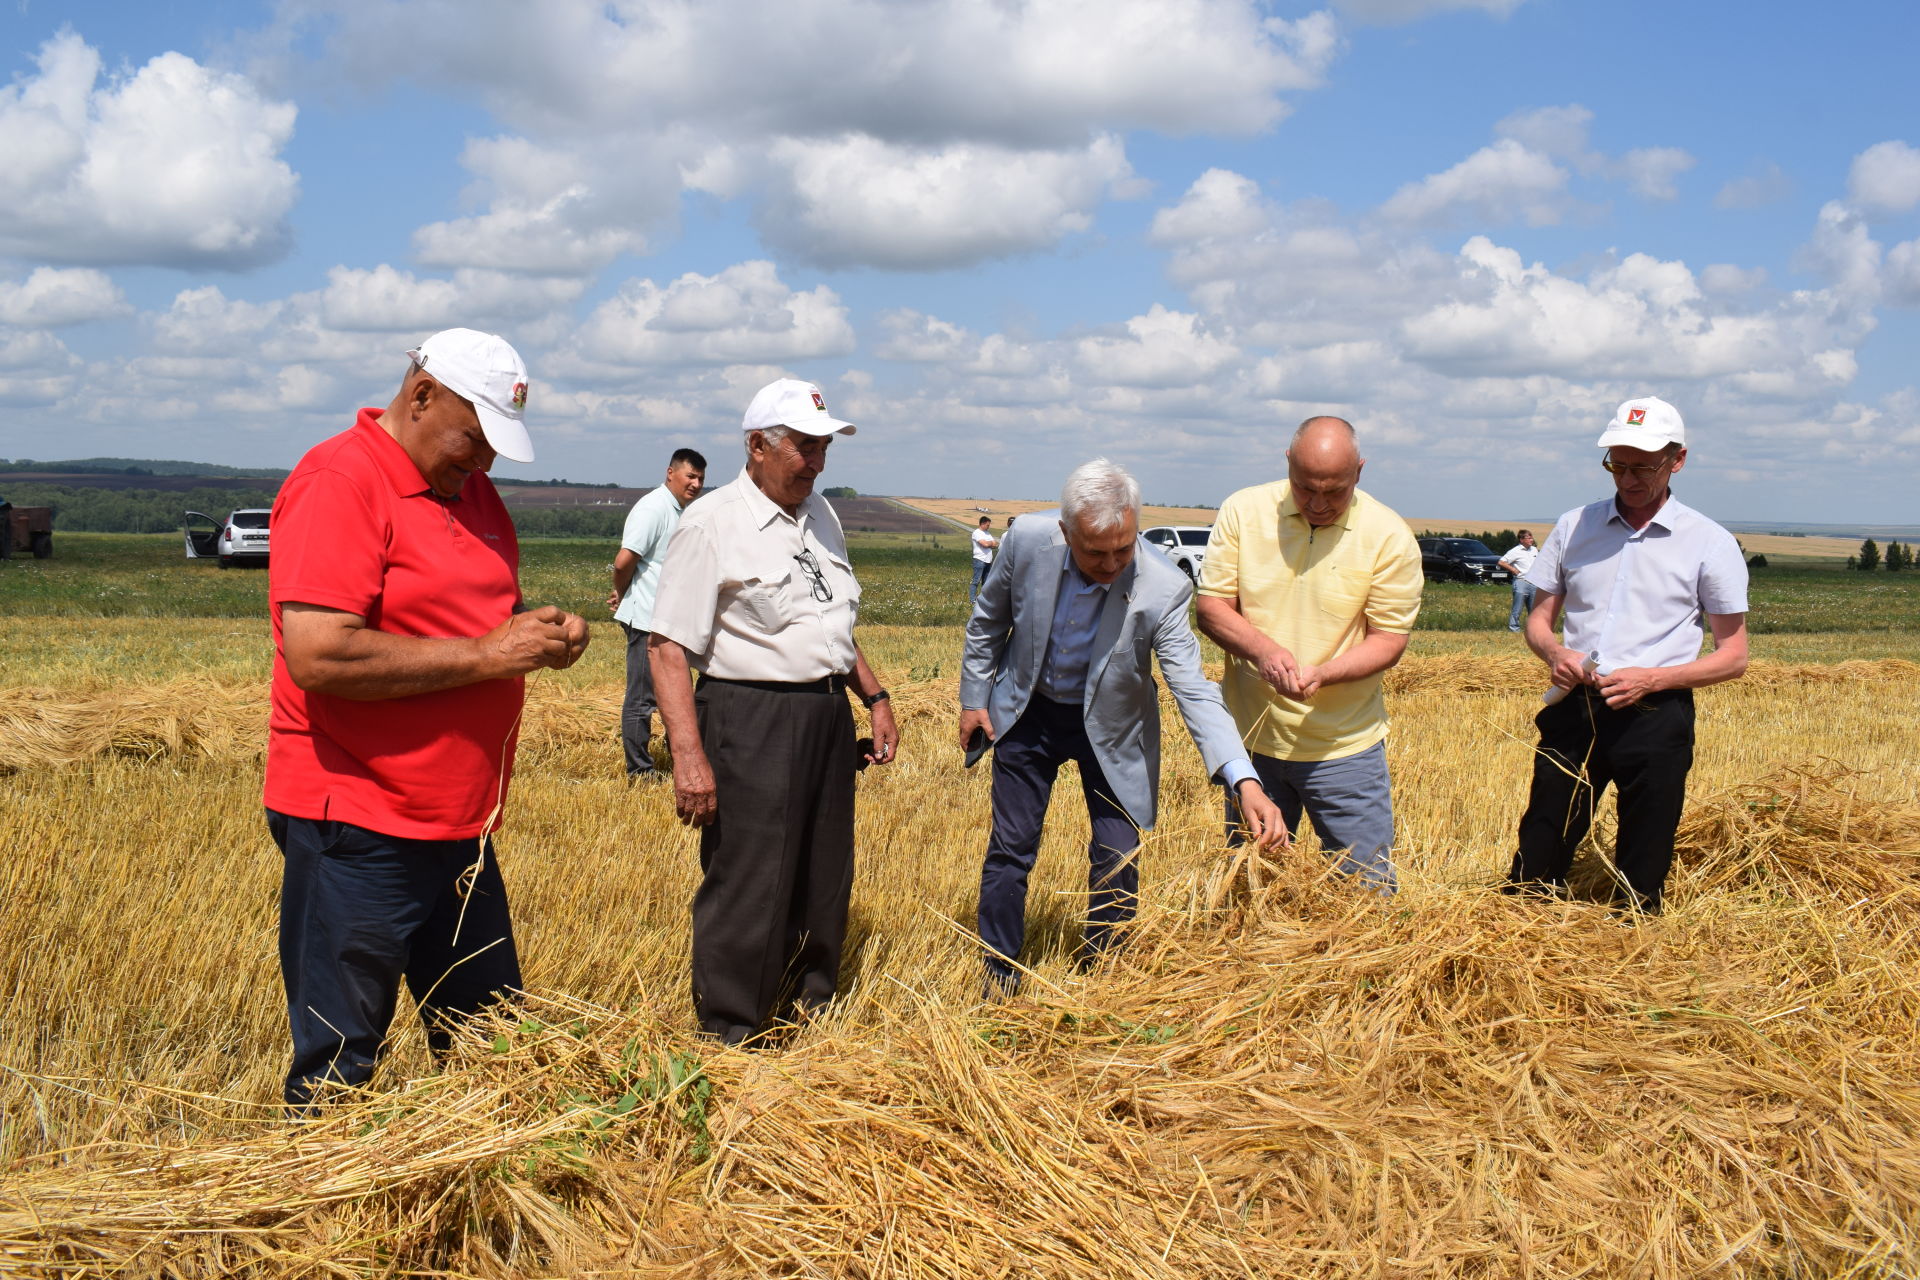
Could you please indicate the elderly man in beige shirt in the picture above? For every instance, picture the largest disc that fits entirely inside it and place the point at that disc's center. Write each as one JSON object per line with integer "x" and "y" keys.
{"x": 758, "y": 596}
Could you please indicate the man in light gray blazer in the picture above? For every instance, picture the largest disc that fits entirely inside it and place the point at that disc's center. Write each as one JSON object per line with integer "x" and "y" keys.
{"x": 1058, "y": 667}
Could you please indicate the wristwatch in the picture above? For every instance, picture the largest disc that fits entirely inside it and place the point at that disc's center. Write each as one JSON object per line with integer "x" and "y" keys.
{"x": 879, "y": 696}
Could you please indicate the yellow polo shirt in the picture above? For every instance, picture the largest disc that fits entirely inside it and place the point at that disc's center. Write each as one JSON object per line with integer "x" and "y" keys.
{"x": 1315, "y": 591}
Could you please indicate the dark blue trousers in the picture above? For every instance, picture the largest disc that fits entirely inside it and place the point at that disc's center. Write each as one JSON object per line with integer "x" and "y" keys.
{"x": 1026, "y": 760}
{"x": 360, "y": 911}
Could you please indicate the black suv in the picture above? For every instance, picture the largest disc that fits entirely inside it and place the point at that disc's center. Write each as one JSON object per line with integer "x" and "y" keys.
{"x": 1460, "y": 560}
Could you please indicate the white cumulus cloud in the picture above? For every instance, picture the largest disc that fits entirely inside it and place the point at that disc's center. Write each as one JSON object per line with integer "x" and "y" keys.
{"x": 1496, "y": 184}
{"x": 386, "y": 300}
{"x": 1903, "y": 274}
{"x": 1650, "y": 171}
{"x": 905, "y": 136}
{"x": 742, "y": 315}
{"x": 857, "y": 200}
{"x": 1524, "y": 175}
{"x": 1162, "y": 348}
{"x": 51, "y": 297}
{"x": 1885, "y": 178}
{"x": 564, "y": 209}
{"x": 172, "y": 164}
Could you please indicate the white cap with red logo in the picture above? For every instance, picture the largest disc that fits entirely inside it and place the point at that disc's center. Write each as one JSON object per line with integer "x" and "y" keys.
{"x": 1645, "y": 422}
{"x": 483, "y": 369}
{"x": 796, "y": 404}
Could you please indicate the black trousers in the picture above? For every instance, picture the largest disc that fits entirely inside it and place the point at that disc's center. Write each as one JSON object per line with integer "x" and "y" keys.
{"x": 770, "y": 915}
{"x": 1026, "y": 760}
{"x": 360, "y": 911}
{"x": 1644, "y": 751}
{"x": 636, "y": 709}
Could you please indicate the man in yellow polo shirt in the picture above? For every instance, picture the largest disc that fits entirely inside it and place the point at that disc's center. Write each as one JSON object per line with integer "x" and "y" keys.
{"x": 1311, "y": 587}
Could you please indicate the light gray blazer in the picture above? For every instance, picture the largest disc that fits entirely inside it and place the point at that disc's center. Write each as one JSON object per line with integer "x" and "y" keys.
{"x": 1145, "y": 613}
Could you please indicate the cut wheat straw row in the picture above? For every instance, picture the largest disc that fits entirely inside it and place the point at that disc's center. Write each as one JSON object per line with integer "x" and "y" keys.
{"x": 204, "y": 718}
{"x": 1294, "y": 1080}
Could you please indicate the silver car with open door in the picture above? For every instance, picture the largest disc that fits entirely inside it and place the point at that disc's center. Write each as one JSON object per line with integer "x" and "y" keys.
{"x": 239, "y": 539}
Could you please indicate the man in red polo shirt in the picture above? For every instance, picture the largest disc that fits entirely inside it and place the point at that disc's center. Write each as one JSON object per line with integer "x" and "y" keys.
{"x": 400, "y": 646}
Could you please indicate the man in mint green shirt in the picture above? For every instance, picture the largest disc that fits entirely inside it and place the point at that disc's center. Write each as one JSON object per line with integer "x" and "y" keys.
{"x": 636, "y": 574}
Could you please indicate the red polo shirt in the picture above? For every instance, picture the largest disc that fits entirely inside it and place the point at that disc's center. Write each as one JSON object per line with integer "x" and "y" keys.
{"x": 357, "y": 528}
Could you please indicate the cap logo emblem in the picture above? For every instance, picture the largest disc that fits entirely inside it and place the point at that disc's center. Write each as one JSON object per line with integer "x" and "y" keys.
{"x": 818, "y": 403}
{"x": 520, "y": 395}
{"x": 1636, "y": 416}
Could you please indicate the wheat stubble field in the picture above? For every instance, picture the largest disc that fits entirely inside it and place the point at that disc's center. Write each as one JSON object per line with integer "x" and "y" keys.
{"x": 1279, "y": 1079}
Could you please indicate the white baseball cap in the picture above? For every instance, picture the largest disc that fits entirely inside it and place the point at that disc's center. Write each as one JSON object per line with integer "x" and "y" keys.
{"x": 796, "y": 404}
{"x": 1645, "y": 422}
{"x": 484, "y": 370}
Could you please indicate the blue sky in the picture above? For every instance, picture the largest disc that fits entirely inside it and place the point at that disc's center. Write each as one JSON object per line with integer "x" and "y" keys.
{"x": 1004, "y": 237}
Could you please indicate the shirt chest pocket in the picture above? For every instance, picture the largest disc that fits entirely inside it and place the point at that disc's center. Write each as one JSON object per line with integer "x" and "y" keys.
{"x": 1339, "y": 592}
{"x": 765, "y": 596}
{"x": 838, "y": 574}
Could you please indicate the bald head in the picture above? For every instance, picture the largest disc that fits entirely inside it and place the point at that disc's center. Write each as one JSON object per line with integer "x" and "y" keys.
{"x": 1325, "y": 440}
{"x": 1323, "y": 468}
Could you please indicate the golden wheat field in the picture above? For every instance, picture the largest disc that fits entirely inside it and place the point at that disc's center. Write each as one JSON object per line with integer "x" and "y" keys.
{"x": 1280, "y": 1078}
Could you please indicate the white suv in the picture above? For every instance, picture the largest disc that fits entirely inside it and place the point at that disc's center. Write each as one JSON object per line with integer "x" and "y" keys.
{"x": 1184, "y": 544}
{"x": 239, "y": 539}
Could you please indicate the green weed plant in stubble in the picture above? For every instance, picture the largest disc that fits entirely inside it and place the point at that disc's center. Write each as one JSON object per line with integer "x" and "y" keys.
{"x": 1280, "y": 1078}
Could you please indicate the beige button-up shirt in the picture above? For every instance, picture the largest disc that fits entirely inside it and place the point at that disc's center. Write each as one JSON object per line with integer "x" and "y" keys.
{"x": 736, "y": 595}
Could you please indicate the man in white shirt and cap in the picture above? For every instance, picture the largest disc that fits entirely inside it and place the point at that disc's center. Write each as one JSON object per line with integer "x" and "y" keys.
{"x": 759, "y": 597}
{"x": 1635, "y": 575}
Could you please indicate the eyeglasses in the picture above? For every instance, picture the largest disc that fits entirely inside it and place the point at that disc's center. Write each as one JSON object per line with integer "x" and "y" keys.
{"x": 816, "y": 581}
{"x": 1644, "y": 472}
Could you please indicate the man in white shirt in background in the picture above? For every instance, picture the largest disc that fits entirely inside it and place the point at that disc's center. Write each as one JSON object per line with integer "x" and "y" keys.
{"x": 1635, "y": 573}
{"x": 1517, "y": 561}
{"x": 983, "y": 545}
{"x": 759, "y": 597}
{"x": 636, "y": 576}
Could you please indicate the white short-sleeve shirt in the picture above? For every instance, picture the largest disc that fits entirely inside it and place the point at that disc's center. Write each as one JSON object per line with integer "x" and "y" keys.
{"x": 983, "y": 546}
{"x": 1521, "y": 558}
{"x": 738, "y": 597}
{"x": 1636, "y": 596}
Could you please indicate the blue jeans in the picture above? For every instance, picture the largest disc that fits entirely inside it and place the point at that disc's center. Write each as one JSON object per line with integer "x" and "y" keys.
{"x": 980, "y": 568}
{"x": 1348, "y": 800}
{"x": 1523, "y": 592}
{"x": 1026, "y": 760}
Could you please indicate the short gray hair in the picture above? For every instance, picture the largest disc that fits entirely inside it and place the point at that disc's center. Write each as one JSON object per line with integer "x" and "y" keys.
{"x": 772, "y": 435}
{"x": 1099, "y": 496}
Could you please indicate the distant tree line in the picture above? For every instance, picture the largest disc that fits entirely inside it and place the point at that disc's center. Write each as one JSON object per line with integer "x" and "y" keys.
{"x": 1898, "y": 557}
{"x": 135, "y": 467}
{"x": 553, "y": 484}
{"x": 88, "y": 510}
{"x": 83, "y": 509}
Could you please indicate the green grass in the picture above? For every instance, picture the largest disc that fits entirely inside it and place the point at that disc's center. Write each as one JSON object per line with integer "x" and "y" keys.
{"x": 906, "y": 580}
{"x": 1784, "y": 601}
